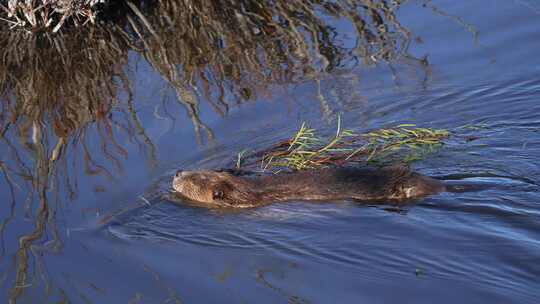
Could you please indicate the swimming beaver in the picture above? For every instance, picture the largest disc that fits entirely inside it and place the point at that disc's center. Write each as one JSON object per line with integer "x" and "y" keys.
{"x": 223, "y": 189}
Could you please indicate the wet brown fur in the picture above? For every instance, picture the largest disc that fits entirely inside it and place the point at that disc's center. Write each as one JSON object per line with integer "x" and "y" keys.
{"x": 222, "y": 189}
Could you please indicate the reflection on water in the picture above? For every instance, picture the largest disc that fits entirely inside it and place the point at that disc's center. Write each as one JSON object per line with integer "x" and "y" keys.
{"x": 185, "y": 83}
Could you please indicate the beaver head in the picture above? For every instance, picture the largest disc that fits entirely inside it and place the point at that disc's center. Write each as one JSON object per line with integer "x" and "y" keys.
{"x": 217, "y": 189}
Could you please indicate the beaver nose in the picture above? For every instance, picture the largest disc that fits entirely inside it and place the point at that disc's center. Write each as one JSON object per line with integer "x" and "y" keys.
{"x": 178, "y": 173}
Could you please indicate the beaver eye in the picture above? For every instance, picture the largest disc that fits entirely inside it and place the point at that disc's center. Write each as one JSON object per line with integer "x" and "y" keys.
{"x": 217, "y": 194}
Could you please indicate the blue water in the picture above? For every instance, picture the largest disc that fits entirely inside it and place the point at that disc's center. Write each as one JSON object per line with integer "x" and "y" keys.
{"x": 470, "y": 247}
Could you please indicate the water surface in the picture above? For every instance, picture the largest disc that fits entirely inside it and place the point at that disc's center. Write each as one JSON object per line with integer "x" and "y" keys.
{"x": 470, "y": 67}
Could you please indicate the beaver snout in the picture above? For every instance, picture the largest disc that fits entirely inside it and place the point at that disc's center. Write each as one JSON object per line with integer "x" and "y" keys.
{"x": 200, "y": 186}
{"x": 180, "y": 180}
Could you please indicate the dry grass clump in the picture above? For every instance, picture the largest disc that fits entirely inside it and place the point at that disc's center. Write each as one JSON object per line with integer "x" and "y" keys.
{"x": 47, "y": 14}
